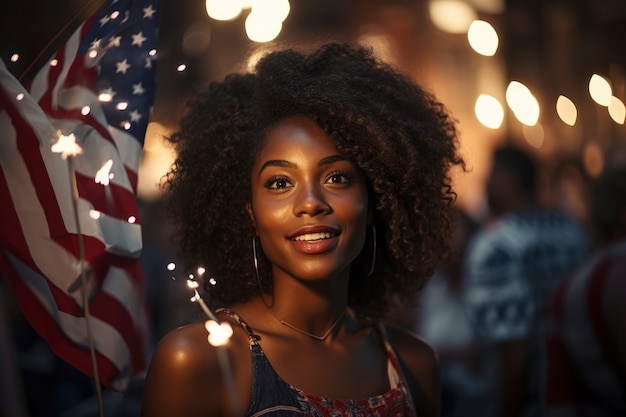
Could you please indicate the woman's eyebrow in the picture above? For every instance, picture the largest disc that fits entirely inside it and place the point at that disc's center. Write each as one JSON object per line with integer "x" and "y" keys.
{"x": 281, "y": 163}
{"x": 331, "y": 159}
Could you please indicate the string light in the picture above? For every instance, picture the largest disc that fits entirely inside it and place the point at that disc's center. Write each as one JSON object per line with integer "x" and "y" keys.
{"x": 489, "y": 111}
{"x": 566, "y": 109}
{"x": 223, "y": 10}
{"x": 617, "y": 111}
{"x": 483, "y": 38}
{"x": 534, "y": 135}
{"x": 264, "y": 22}
{"x": 260, "y": 29}
{"x": 451, "y": 16}
{"x": 600, "y": 90}
{"x": 521, "y": 101}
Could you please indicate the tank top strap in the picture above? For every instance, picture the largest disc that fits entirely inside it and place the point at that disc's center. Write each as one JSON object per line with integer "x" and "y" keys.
{"x": 396, "y": 376}
{"x": 254, "y": 339}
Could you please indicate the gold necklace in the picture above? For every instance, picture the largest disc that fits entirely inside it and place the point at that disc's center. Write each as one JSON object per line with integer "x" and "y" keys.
{"x": 314, "y": 336}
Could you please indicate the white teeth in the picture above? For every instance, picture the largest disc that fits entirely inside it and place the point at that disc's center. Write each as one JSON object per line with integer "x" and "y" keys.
{"x": 313, "y": 236}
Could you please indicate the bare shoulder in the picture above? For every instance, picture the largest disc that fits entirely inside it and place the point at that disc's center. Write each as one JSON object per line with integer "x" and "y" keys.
{"x": 183, "y": 377}
{"x": 421, "y": 368}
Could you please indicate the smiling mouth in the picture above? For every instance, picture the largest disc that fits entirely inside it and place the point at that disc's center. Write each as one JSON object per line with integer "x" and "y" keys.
{"x": 312, "y": 237}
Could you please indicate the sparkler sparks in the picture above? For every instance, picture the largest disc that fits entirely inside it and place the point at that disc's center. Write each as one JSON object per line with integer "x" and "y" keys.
{"x": 104, "y": 174}
{"x": 67, "y": 146}
{"x": 219, "y": 333}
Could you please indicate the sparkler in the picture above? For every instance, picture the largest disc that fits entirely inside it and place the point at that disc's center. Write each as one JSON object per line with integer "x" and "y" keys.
{"x": 68, "y": 148}
{"x": 219, "y": 336}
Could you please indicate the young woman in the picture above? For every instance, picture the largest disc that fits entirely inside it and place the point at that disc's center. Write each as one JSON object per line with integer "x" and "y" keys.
{"x": 314, "y": 190}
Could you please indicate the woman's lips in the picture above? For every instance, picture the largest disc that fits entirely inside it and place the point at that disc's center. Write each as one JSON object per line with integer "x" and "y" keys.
{"x": 315, "y": 240}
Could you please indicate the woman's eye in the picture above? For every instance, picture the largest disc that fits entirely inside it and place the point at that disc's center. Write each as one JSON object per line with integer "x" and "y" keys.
{"x": 338, "y": 178}
{"x": 277, "y": 183}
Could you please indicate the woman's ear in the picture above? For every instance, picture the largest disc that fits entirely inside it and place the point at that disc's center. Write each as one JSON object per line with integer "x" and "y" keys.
{"x": 251, "y": 214}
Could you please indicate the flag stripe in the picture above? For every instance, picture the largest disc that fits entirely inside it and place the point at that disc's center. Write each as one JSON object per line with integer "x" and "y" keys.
{"x": 57, "y": 329}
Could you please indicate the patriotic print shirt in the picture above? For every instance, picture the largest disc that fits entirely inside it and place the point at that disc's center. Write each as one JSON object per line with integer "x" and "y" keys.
{"x": 274, "y": 397}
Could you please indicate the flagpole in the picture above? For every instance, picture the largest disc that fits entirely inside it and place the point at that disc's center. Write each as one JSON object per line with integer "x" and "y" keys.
{"x": 83, "y": 280}
{"x": 55, "y": 38}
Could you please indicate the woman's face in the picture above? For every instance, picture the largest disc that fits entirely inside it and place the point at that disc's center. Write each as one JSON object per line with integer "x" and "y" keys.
{"x": 309, "y": 203}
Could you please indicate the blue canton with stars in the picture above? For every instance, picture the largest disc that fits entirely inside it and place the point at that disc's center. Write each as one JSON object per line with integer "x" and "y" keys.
{"x": 123, "y": 38}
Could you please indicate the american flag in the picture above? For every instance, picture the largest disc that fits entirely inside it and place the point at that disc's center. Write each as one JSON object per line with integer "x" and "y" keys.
{"x": 100, "y": 87}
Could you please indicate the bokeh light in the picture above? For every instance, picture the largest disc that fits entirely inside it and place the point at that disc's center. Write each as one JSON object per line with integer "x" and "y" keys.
{"x": 196, "y": 39}
{"x": 534, "y": 135}
{"x": 223, "y": 9}
{"x": 521, "y": 101}
{"x": 489, "y": 111}
{"x": 593, "y": 159}
{"x": 600, "y": 90}
{"x": 451, "y": 16}
{"x": 483, "y": 38}
{"x": 617, "y": 111}
{"x": 261, "y": 29}
{"x": 265, "y": 21}
{"x": 566, "y": 109}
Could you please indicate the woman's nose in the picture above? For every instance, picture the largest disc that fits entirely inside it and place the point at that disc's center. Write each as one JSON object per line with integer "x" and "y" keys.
{"x": 311, "y": 200}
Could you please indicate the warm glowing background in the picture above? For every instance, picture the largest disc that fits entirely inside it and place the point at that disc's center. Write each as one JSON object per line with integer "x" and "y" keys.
{"x": 545, "y": 74}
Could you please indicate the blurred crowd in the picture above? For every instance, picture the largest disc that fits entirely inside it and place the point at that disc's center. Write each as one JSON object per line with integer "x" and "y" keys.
{"x": 527, "y": 314}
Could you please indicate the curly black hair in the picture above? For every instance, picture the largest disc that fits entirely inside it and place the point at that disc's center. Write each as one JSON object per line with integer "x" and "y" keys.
{"x": 395, "y": 132}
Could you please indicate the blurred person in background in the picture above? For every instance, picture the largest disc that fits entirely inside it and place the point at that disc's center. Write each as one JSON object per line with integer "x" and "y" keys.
{"x": 440, "y": 318}
{"x": 512, "y": 264}
{"x": 587, "y": 322}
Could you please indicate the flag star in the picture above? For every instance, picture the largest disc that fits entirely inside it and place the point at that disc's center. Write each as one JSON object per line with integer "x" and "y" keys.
{"x": 148, "y": 63}
{"x": 104, "y": 20}
{"x": 126, "y": 14}
{"x": 138, "y": 39}
{"x": 135, "y": 116}
{"x": 148, "y": 12}
{"x": 115, "y": 41}
{"x": 122, "y": 66}
{"x": 138, "y": 89}
{"x": 95, "y": 44}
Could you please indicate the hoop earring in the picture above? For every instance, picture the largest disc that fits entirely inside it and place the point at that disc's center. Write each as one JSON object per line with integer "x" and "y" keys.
{"x": 256, "y": 263}
{"x": 374, "y": 254}
{"x": 258, "y": 276}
